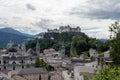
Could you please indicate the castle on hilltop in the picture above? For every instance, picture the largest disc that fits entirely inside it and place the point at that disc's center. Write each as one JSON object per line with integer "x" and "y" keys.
{"x": 65, "y": 29}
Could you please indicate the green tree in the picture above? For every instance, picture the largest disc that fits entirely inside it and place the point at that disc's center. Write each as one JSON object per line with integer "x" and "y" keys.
{"x": 40, "y": 63}
{"x": 115, "y": 42}
{"x": 107, "y": 73}
{"x": 78, "y": 45}
{"x": 37, "y": 62}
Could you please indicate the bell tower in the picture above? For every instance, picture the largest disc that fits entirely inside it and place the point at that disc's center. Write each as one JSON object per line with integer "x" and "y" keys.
{"x": 23, "y": 47}
{"x": 37, "y": 47}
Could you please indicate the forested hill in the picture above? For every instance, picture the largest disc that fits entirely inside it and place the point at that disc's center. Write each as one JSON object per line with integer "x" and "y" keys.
{"x": 6, "y": 37}
{"x": 7, "y": 34}
{"x": 76, "y": 42}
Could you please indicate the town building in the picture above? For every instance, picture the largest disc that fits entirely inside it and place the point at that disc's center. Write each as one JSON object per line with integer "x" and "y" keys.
{"x": 14, "y": 60}
{"x": 93, "y": 53}
{"x": 30, "y": 74}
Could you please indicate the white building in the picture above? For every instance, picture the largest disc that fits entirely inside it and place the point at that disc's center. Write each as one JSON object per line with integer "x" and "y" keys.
{"x": 107, "y": 54}
{"x": 54, "y": 59}
{"x": 14, "y": 61}
{"x": 93, "y": 53}
{"x": 15, "y": 58}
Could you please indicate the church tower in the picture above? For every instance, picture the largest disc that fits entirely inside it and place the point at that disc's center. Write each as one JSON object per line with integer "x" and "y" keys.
{"x": 38, "y": 47}
{"x": 23, "y": 47}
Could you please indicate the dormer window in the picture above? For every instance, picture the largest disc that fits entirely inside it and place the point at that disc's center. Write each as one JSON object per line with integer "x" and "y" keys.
{"x": 14, "y": 62}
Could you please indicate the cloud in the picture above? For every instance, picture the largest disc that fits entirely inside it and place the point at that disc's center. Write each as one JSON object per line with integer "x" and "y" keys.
{"x": 91, "y": 28}
{"x": 43, "y": 23}
{"x": 30, "y": 7}
{"x": 98, "y": 9}
{"x": 35, "y": 16}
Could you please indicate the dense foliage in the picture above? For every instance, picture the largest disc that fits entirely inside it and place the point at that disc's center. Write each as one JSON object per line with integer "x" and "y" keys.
{"x": 112, "y": 72}
{"x": 41, "y": 63}
{"x": 75, "y": 44}
{"x": 115, "y": 42}
{"x": 108, "y": 73}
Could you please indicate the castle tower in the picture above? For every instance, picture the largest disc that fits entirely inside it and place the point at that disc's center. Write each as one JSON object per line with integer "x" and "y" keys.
{"x": 37, "y": 47}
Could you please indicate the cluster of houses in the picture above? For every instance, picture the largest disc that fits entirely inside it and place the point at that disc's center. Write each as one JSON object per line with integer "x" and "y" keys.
{"x": 18, "y": 64}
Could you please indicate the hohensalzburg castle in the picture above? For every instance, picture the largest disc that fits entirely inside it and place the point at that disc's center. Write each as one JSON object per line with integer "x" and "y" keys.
{"x": 65, "y": 29}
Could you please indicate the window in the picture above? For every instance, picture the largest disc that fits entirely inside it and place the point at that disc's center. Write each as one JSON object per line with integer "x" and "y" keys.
{"x": 22, "y": 67}
{"x": 22, "y": 61}
{"x": 4, "y": 67}
{"x": 4, "y": 62}
{"x": 40, "y": 77}
{"x": 13, "y": 67}
{"x": 49, "y": 77}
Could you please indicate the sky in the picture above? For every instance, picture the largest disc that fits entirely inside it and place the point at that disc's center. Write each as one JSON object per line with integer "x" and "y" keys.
{"x": 35, "y": 16}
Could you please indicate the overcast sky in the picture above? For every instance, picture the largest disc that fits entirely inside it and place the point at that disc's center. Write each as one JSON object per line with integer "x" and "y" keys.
{"x": 35, "y": 16}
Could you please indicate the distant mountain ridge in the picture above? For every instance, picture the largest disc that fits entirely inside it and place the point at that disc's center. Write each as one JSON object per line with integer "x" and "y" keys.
{"x": 13, "y": 31}
{"x": 7, "y": 34}
{"x": 103, "y": 40}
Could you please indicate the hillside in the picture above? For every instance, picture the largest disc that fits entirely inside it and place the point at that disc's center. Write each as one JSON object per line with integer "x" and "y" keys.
{"x": 13, "y": 31}
{"x": 77, "y": 43}
{"x": 7, "y": 34}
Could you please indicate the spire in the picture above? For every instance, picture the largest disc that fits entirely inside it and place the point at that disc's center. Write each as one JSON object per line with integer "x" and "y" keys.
{"x": 37, "y": 47}
{"x": 23, "y": 47}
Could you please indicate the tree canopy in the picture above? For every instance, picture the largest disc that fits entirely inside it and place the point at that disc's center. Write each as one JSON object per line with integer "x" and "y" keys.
{"x": 107, "y": 73}
{"x": 115, "y": 42}
{"x": 75, "y": 43}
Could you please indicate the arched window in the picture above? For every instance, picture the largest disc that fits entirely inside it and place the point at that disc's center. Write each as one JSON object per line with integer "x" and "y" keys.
{"x": 13, "y": 67}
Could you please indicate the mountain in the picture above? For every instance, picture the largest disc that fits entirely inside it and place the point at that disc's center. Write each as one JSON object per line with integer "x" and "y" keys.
{"x": 13, "y": 31}
{"x": 103, "y": 40}
{"x": 7, "y": 34}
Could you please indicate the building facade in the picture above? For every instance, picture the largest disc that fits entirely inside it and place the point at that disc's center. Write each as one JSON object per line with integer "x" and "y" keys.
{"x": 16, "y": 58}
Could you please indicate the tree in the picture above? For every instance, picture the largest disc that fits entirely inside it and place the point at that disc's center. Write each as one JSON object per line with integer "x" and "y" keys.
{"x": 37, "y": 62}
{"x": 98, "y": 45}
{"x": 115, "y": 42}
{"x": 78, "y": 45}
{"x": 107, "y": 73}
{"x": 40, "y": 63}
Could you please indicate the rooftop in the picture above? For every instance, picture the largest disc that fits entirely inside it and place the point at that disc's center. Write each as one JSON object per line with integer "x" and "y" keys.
{"x": 32, "y": 71}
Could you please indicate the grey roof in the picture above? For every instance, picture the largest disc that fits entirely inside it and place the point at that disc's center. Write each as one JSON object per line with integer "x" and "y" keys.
{"x": 32, "y": 71}
{"x": 87, "y": 69}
